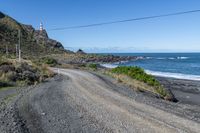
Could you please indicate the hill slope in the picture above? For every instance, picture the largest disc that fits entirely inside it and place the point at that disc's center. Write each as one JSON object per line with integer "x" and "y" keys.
{"x": 33, "y": 42}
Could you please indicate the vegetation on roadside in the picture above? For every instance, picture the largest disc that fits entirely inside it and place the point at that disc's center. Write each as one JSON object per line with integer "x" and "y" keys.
{"x": 138, "y": 74}
{"x": 140, "y": 80}
{"x": 48, "y": 61}
{"x": 93, "y": 66}
{"x": 14, "y": 73}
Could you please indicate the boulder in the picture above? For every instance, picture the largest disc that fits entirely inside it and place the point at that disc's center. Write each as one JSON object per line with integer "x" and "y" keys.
{"x": 80, "y": 51}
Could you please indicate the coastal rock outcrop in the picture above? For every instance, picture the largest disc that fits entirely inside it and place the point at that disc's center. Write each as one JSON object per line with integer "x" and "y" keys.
{"x": 33, "y": 42}
{"x": 41, "y": 37}
{"x": 80, "y": 51}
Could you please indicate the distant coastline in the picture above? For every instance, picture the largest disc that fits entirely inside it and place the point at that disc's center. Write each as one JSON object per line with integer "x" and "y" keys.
{"x": 163, "y": 74}
{"x": 173, "y": 65}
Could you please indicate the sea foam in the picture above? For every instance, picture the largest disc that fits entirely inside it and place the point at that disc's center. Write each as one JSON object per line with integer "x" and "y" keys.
{"x": 168, "y": 58}
{"x": 174, "y": 75}
{"x": 163, "y": 74}
{"x": 109, "y": 65}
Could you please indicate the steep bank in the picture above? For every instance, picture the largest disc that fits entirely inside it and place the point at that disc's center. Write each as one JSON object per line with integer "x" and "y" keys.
{"x": 33, "y": 42}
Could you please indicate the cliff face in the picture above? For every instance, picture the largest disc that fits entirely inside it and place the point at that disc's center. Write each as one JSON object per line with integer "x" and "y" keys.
{"x": 41, "y": 37}
{"x": 33, "y": 42}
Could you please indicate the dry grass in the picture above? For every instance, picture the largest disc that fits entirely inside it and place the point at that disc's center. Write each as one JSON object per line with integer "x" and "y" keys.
{"x": 23, "y": 73}
{"x": 139, "y": 86}
{"x": 134, "y": 84}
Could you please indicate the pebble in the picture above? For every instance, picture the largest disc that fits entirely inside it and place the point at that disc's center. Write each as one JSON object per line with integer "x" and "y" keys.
{"x": 43, "y": 113}
{"x": 14, "y": 123}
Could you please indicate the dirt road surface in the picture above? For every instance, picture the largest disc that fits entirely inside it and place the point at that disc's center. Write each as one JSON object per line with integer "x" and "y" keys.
{"x": 79, "y": 101}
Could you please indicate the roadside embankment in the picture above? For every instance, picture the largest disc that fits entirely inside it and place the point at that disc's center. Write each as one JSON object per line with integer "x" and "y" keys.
{"x": 186, "y": 91}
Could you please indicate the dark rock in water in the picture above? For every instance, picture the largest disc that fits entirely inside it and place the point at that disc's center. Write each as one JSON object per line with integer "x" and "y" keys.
{"x": 80, "y": 51}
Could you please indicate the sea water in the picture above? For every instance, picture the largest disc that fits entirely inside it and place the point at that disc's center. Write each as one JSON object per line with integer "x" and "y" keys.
{"x": 175, "y": 65}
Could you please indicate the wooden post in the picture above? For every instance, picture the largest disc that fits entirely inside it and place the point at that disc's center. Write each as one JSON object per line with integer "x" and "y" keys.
{"x": 19, "y": 33}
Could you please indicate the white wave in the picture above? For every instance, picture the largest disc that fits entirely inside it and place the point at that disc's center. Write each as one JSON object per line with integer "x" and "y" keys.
{"x": 121, "y": 62}
{"x": 174, "y": 75}
{"x": 148, "y": 57}
{"x": 124, "y": 61}
{"x": 160, "y": 58}
{"x": 179, "y": 58}
{"x": 171, "y": 58}
{"x": 182, "y": 58}
{"x": 109, "y": 65}
{"x": 163, "y": 74}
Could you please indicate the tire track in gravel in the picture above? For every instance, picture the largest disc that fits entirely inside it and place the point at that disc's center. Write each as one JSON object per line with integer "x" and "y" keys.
{"x": 144, "y": 117}
{"x": 79, "y": 101}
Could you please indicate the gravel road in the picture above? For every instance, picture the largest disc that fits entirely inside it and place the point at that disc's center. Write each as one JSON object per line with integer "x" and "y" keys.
{"x": 79, "y": 101}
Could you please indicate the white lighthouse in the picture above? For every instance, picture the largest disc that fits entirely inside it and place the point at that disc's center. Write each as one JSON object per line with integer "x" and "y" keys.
{"x": 41, "y": 27}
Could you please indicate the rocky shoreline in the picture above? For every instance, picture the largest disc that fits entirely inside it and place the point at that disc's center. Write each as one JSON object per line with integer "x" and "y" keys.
{"x": 77, "y": 58}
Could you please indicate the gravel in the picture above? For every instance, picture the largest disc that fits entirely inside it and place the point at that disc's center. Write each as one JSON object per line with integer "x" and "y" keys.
{"x": 79, "y": 101}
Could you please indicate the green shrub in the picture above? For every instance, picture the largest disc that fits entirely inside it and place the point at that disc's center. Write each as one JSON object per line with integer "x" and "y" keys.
{"x": 140, "y": 75}
{"x": 48, "y": 60}
{"x": 93, "y": 66}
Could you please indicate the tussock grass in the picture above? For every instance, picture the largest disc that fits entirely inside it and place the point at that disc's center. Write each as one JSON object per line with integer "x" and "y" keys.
{"x": 22, "y": 73}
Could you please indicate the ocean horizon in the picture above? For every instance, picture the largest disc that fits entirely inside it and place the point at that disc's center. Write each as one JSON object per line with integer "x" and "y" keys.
{"x": 174, "y": 65}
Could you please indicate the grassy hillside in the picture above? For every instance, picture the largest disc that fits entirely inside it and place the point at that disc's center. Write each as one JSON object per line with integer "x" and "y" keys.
{"x": 33, "y": 42}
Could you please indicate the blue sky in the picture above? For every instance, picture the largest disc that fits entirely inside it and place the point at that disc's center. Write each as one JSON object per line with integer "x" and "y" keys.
{"x": 169, "y": 34}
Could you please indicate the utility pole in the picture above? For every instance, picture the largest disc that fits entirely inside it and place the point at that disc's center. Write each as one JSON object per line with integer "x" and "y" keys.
{"x": 6, "y": 49}
{"x": 16, "y": 50}
{"x": 19, "y": 33}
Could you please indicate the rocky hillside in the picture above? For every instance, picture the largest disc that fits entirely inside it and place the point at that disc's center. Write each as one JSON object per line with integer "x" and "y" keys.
{"x": 33, "y": 42}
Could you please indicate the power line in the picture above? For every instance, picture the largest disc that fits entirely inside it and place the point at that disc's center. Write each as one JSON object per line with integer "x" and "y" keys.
{"x": 126, "y": 20}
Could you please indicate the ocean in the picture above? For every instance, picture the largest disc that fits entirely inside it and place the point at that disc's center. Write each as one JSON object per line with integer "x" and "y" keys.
{"x": 175, "y": 65}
